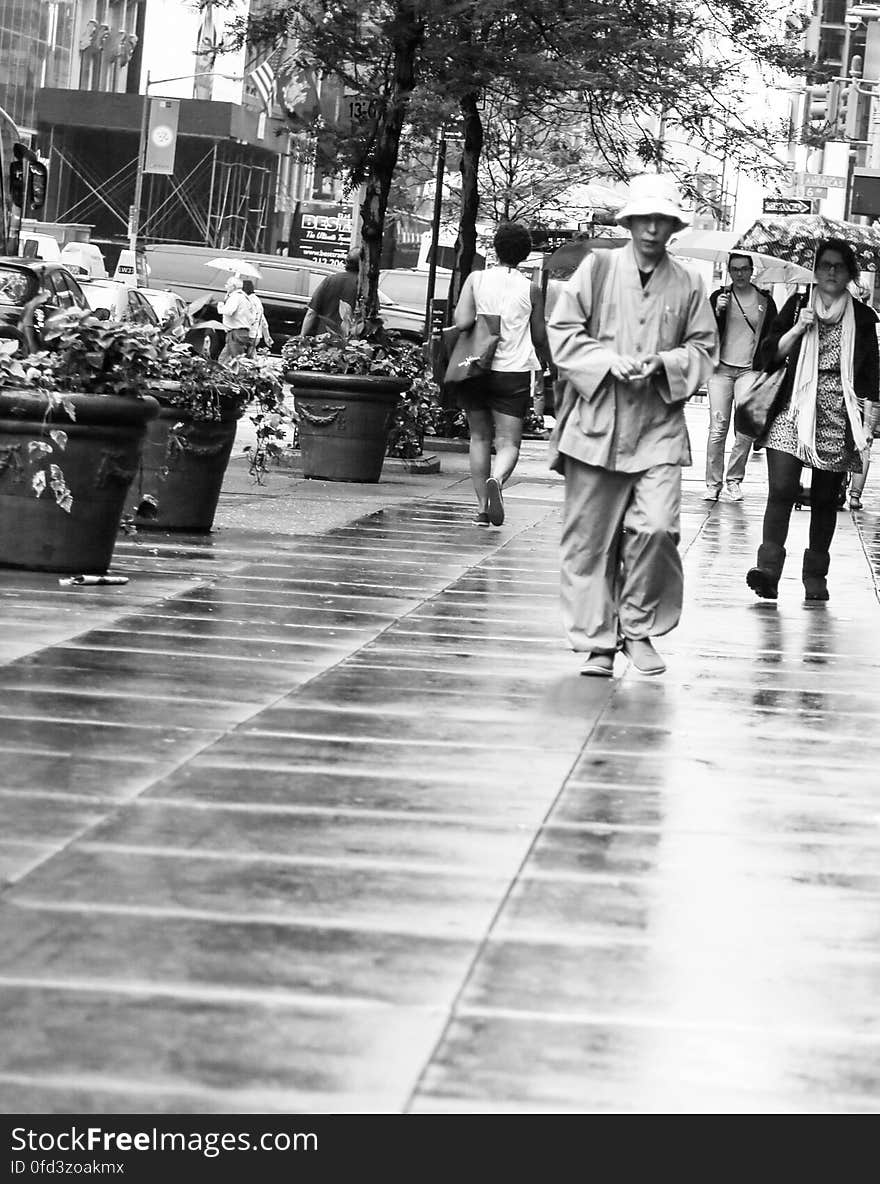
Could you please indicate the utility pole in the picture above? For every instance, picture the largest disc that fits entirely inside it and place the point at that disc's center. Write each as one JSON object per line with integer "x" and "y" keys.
{"x": 134, "y": 214}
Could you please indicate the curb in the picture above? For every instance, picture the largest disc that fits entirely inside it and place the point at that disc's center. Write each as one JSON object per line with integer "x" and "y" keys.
{"x": 291, "y": 460}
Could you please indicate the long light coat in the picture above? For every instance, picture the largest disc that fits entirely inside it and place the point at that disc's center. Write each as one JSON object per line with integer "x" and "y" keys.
{"x": 620, "y": 426}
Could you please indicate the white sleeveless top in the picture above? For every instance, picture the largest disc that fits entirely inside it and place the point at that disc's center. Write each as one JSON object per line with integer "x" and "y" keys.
{"x": 506, "y": 292}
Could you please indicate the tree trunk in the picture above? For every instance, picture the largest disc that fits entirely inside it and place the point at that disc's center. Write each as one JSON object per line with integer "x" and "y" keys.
{"x": 408, "y": 33}
{"x": 466, "y": 242}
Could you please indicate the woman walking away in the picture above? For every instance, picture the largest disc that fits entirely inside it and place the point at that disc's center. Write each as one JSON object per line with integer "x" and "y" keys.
{"x": 498, "y": 402}
{"x": 830, "y": 348}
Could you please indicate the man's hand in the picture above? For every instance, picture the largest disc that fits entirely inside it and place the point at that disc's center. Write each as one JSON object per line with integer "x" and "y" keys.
{"x": 651, "y": 365}
{"x": 624, "y": 369}
{"x": 647, "y": 368}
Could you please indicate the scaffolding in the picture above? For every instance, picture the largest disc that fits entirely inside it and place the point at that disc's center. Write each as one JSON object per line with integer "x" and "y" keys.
{"x": 221, "y": 194}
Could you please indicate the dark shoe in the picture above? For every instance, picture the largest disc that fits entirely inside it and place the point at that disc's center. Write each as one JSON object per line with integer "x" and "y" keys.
{"x": 815, "y": 570}
{"x": 480, "y": 519}
{"x": 496, "y": 501}
{"x": 763, "y": 579}
{"x": 599, "y": 665}
{"x": 643, "y": 656}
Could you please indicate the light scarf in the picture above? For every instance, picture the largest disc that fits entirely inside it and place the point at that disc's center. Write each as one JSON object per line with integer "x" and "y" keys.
{"x": 806, "y": 375}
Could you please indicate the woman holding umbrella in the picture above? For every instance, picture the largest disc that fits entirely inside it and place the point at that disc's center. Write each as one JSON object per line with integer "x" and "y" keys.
{"x": 830, "y": 352}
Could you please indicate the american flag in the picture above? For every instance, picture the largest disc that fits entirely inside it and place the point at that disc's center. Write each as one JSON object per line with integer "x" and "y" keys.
{"x": 263, "y": 78}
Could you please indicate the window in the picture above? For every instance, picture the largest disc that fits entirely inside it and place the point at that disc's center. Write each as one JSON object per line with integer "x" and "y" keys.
{"x": 59, "y": 293}
{"x": 14, "y": 287}
{"x": 75, "y": 293}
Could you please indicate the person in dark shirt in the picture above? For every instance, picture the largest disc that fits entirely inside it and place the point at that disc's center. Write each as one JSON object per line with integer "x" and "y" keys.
{"x": 333, "y": 300}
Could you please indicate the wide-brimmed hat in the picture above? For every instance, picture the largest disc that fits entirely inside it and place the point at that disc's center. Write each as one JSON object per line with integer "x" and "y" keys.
{"x": 653, "y": 193}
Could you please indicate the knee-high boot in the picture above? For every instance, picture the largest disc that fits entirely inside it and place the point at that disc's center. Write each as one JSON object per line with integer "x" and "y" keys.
{"x": 763, "y": 579}
{"x": 814, "y": 571}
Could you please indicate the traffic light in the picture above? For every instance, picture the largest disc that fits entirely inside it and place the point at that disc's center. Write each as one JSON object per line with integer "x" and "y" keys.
{"x": 16, "y": 183}
{"x": 37, "y": 177}
{"x": 823, "y": 104}
{"x": 854, "y": 108}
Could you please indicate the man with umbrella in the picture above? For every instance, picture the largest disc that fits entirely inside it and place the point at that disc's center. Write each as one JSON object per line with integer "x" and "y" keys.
{"x": 633, "y": 337}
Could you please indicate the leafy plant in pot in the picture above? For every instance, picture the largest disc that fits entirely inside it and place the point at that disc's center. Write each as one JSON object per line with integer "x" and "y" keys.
{"x": 188, "y": 446}
{"x": 72, "y": 421}
{"x": 347, "y": 394}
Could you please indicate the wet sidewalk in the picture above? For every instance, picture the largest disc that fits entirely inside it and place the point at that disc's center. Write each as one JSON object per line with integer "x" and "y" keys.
{"x": 316, "y": 816}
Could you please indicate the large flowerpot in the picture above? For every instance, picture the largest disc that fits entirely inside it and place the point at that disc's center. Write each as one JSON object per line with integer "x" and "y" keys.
{"x": 344, "y": 422}
{"x": 181, "y": 473}
{"x": 96, "y": 462}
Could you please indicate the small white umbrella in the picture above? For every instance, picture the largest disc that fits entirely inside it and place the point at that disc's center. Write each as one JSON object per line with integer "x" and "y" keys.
{"x": 716, "y": 245}
{"x": 235, "y": 267}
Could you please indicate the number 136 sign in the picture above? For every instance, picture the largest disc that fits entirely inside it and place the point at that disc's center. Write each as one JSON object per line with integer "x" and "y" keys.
{"x": 359, "y": 109}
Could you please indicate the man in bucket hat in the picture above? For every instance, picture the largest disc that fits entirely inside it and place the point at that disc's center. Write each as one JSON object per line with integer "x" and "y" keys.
{"x": 633, "y": 337}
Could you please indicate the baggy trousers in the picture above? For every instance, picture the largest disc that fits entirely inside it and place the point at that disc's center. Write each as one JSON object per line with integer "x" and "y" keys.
{"x": 621, "y": 570}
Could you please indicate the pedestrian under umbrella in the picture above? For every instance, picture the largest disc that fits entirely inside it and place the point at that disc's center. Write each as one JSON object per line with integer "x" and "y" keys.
{"x": 829, "y": 350}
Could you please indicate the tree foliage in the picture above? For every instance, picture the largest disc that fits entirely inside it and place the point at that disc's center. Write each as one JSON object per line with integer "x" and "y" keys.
{"x": 608, "y": 87}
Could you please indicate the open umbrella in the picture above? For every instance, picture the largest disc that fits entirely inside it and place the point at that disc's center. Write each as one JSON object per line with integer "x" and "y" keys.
{"x": 235, "y": 267}
{"x": 716, "y": 245}
{"x": 795, "y": 237}
{"x": 569, "y": 255}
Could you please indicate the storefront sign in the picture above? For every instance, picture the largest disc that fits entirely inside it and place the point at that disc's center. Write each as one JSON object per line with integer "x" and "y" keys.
{"x": 321, "y": 231}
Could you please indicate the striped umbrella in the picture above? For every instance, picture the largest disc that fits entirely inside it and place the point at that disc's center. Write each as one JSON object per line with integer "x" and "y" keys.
{"x": 795, "y": 237}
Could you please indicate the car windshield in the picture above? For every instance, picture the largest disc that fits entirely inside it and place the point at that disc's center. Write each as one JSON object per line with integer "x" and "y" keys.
{"x": 410, "y": 288}
{"x": 14, "y": 286}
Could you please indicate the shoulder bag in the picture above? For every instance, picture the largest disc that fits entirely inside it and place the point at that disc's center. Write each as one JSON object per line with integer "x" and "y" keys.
{"x": 474, "y": 348}
{"x": 754, "y": 404}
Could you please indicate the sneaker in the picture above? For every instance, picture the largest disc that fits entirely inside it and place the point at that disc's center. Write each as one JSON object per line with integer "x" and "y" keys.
{"x": 480, "y": 519}
{"x": 496, "y": 501}
{"x": 643, "y": 656}
{"x": 711, "y": 494}
{"x": 733, "y": 492}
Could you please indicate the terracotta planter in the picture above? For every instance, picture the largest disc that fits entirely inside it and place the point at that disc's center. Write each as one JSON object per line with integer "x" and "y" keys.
{"x": 183, "y": 464}
{"x": 344, "y": 422}
{"x": 98, "y": 462}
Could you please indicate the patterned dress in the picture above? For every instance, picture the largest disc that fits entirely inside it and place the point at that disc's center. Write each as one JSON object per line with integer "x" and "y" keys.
{"x": 835, "y": 449}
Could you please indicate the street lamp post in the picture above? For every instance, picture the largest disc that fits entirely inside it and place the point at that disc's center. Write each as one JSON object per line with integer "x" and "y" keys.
{"x": 435, "y": 229}
{"x": 134, "y": 213}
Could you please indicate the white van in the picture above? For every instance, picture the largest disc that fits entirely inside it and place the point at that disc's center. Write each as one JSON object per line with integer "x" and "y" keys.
{"x": 285, "y": 285}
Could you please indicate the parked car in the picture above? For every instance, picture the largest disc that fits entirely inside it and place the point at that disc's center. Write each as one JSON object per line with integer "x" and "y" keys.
{"x": 120, "y": 302}
{"x": 168, "y": 306}
{"x": 408, "y": 286}
{"x": 22, "y": 281}
{"x": 206, "y": 337}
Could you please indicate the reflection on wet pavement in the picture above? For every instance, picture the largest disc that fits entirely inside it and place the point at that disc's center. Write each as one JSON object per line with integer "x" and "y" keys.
{"x": 329, "y": 823}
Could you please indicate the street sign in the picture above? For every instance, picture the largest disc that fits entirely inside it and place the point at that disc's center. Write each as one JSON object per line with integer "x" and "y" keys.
{"x": 823, "y": 180}
{"x": 787, "y": 205}
{"x": 815, "y": 191}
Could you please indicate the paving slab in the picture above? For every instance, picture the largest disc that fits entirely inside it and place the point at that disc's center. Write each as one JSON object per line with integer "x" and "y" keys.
{"x": 315, "y": 814}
